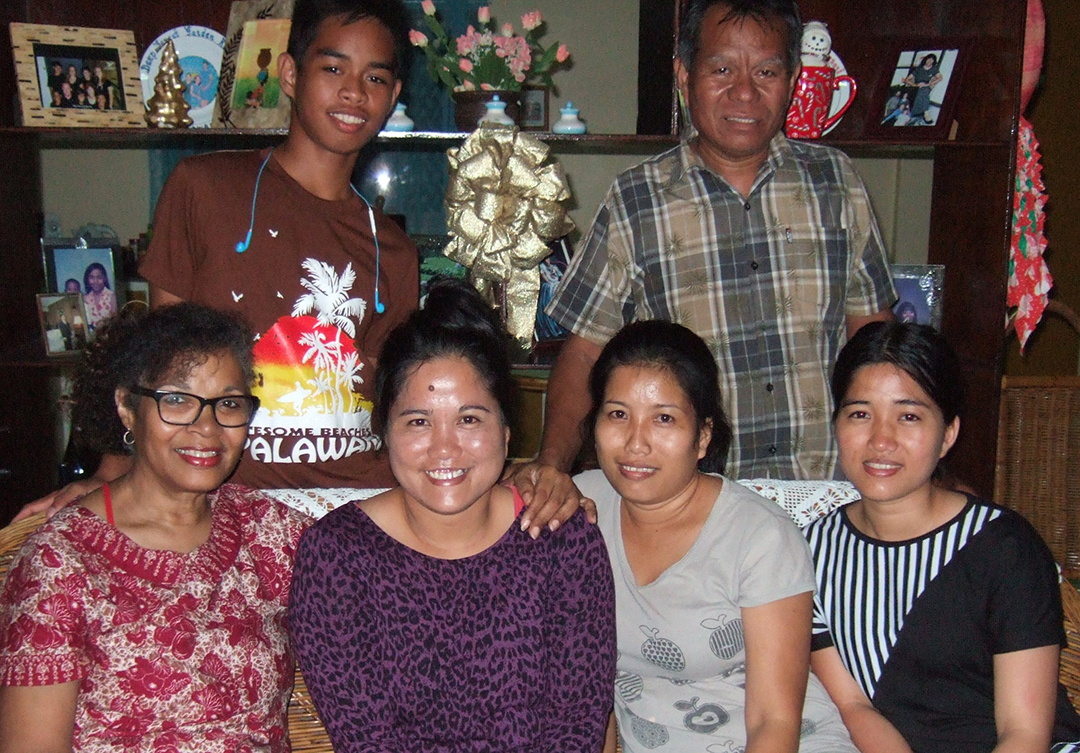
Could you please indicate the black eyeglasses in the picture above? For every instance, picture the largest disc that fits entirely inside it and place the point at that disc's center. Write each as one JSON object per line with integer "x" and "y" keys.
{"x": 184, "y": 409}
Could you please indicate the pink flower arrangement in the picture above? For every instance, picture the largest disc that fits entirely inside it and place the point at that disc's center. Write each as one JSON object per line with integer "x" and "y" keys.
{"x": 486, "y": 58}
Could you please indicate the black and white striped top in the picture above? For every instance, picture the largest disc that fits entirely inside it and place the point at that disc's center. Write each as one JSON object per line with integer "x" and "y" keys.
{"x": 867, "y": 587}
{"x": 918, "y": 623}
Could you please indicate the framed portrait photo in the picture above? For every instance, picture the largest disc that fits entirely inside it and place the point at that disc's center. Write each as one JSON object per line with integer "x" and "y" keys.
{"x": 63, "y": 323}
{"x": 535, "y": 104}
{"x": 918, "y": 287}
{"x": 77, "y": 77}
{"x": 89, "y": 270}
{"x": 920, "y": 90}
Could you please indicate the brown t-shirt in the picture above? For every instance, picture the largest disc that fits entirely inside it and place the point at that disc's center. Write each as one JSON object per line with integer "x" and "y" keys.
{"x": 306, "y": 284}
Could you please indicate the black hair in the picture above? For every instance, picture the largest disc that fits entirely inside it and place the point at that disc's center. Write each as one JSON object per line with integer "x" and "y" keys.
{"x": 90, "y": 268}
{"x": 678, "y": 351}
{"x": 455, "y": 322}
{"x": 927, "y": 56}
{"x": 134, "y": 349}
{"x": 777, "y": 13}
{"x": 309, "y": 14}
{"x": 918, "y": 350}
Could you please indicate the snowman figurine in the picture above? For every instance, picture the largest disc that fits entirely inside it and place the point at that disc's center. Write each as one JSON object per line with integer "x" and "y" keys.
{"x": 816, "y": 44}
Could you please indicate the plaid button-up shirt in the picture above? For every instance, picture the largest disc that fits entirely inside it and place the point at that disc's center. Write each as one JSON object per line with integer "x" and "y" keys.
{"x": 766, "y": 281}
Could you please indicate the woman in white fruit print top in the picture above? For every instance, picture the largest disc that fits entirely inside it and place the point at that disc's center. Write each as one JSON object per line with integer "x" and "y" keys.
{"x": 713, "y": 583}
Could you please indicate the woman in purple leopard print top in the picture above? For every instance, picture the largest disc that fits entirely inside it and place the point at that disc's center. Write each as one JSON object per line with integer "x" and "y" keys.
{"x": 425, "y": 618}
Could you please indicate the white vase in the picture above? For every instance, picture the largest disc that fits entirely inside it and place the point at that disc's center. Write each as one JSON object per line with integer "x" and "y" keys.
{"x": 496, "y": 112}
{"x": 568, "y": 121}
{"x": 399, "y": 121}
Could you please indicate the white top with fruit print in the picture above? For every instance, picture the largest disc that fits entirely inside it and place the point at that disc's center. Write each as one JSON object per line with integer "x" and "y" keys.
{"x": 680, "y": 684}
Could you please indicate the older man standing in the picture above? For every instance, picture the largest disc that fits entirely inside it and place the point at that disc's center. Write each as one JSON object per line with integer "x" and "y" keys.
{"x": 767, "y": 248}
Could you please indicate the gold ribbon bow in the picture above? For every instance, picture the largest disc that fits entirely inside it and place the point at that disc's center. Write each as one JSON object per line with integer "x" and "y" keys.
{"x": 503, "y": 205}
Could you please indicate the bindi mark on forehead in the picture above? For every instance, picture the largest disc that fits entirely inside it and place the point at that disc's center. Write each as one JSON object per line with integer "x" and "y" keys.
{"x": 431, "y": 388}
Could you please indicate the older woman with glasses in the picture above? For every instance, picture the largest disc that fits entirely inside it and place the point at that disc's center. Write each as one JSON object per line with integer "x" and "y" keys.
{"x": 151, "y": 615}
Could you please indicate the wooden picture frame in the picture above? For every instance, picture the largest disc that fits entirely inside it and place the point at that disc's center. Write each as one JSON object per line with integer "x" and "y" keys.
{"x": 918, "y": 287}
{"x": 918, "y": 94}
{"x": 535, "y": 108}
{"x": 69, "y": 260}
{"x": 249, "y": 20}
{"x": 38, "y": 49}
{"x": 63, "y": 324}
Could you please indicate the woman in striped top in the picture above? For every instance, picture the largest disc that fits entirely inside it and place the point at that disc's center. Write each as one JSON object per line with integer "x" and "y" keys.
{"x": 937, "y": 622}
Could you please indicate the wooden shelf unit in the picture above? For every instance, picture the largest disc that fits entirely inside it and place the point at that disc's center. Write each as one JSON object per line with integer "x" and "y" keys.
{"x": 970, "y": 211}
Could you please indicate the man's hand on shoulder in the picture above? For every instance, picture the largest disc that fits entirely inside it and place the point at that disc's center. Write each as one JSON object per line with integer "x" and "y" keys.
{"x": 550, "y": 496}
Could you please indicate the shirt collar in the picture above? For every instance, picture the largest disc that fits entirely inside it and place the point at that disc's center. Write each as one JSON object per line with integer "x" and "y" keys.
{"x": 780, "y": 160}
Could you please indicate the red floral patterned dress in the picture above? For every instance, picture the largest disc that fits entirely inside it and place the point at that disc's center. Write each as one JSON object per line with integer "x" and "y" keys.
{"x": 173, "y": 652}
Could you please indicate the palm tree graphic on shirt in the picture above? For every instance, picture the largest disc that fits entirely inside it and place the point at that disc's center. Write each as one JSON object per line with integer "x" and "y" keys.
{"x": 337, "y": 373}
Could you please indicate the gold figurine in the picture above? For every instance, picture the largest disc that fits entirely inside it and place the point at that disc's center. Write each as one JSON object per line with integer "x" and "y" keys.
{"x": 168, "y": 108}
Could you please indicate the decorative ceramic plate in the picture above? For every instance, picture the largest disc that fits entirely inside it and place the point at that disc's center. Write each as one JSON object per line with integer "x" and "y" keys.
{"x": 842, "y": 94}
{"x": 199, "y": 51}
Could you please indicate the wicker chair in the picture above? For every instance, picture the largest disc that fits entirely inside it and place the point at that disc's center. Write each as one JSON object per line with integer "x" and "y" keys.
{"x": 305, "y": 730}
{"x": 1069, "y": 666}
{"x": 1038, "y": 455}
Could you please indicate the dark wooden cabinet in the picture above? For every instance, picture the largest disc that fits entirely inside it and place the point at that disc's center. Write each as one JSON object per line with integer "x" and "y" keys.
{"x": 971, "y": 205}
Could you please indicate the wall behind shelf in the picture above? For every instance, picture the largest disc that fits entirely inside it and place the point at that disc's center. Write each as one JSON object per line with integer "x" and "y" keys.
{"x": 120, "y": 196}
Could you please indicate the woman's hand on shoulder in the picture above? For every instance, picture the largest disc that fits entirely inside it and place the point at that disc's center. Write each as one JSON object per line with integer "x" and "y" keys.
{"x": 550, "y": 496}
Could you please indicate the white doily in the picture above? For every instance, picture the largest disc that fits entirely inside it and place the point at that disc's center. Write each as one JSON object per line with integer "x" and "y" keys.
{"x": 804, "y": 501}
{"x": 317, "y": 502}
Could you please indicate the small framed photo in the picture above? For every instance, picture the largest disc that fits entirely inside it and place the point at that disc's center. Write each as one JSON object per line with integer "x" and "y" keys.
{"x": 77, "y": 77}
{"x": 534, "y": 108}
{"x": 72, "y": 266}
{"x": 63, "y": 323}
{"x": 551, "y": 269}
{"x": 920, "y": 90}
{"x": 918, "y": 287}
{"x": 249, "y": 94}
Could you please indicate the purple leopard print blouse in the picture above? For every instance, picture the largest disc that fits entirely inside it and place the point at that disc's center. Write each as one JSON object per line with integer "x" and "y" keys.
{"x": 510, "y": 649}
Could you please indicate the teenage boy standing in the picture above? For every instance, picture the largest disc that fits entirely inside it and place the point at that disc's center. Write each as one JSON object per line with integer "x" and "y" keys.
{"x": 282, "y": 237}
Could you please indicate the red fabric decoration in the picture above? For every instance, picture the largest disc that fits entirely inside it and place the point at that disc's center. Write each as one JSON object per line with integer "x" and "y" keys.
{"x": 1029, "y": 277}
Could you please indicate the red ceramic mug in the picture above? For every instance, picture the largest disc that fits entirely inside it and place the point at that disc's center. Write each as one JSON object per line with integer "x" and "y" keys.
{"x": 808, "y": 117}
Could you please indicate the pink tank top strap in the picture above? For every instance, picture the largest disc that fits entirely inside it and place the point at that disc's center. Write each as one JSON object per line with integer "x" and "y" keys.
{"x": 108, "y": 506}
{"x": 519, "y": 503}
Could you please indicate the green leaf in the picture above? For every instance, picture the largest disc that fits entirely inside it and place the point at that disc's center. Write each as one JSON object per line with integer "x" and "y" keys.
{"x": 436, "y": 27}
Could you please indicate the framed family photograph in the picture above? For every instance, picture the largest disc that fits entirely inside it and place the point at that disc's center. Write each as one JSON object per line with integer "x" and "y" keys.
{"x": 77, "y": 77}
{"x": 918, "y": 287}
{"x": 63, "y": 323}
{"x": 72, "y": 266}
{"x": 920, "y": 89}
{"x": 535, "y": 103}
